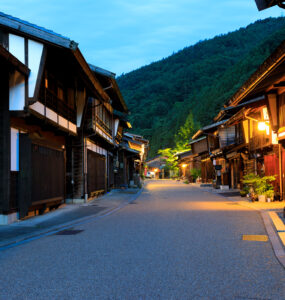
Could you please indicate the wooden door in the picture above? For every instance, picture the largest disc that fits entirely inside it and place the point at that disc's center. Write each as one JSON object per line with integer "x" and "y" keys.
{"x": 271, "y": 165}
{"x": 41, "y": 175}
{"x": 110, "y": 171}
{"x": 48, "y": 174}
{"x": 96, "y": 172}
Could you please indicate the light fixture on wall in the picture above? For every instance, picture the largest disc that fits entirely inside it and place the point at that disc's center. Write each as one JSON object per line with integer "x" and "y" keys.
{"x": 261, "y": 126}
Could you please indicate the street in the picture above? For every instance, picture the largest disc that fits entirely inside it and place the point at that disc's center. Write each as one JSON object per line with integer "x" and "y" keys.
{"x": 174, "y": 241}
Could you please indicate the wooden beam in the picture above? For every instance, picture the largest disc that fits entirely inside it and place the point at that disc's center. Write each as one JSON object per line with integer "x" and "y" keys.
{"x": 13, "y": 61}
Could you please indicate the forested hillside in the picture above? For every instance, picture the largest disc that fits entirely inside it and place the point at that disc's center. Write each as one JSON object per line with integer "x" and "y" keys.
{"x": 197, "y": 79}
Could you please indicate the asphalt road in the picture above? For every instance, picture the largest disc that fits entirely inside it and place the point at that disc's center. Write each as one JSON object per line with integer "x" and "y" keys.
{"x": 174, "y": 242}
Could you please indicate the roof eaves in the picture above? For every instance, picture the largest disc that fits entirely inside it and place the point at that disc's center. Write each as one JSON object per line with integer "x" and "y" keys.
{"x": 102, "y": 71}
{"x": 269, "y": 64}
{"x": 36, "y": 31}
{"x": 115, "y": 86}
{"x": 197, "y": 140}
{"x": 86, "y": 68}
{"x": 198, "y": 133}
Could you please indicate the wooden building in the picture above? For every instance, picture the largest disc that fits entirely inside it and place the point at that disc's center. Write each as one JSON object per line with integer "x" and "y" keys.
{"x": 132, "y": 154}
{"x": 259, "y": 109}
{"x": 95, "y": 151}
{"x": 251, "y": 127}
{"x": 62, "y": 121}
{"x": 44, "y": 110}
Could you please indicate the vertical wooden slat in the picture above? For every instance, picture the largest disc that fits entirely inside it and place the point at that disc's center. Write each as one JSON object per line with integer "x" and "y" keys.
{"x": 4, "y": 141}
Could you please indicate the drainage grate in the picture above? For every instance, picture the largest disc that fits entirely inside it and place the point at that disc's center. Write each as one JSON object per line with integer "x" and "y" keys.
{"x": 68, "y": 232}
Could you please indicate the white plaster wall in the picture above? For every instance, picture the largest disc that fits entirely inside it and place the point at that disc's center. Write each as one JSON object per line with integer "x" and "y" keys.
{"x": 72, "y": 127}
{"x": 35, "y": 51}
{"x": 14, "y": 149}
{"x": 51, "y": 115}
{"x": 17, "y": 91}
{"x": 17, "y": 46}
{"x": 97, "y": 149}
{"x": 38, "y": 107}
{"x": 8, "y": 219}
{"x": 62, "y": 122}
{"x": 116, "y": 123}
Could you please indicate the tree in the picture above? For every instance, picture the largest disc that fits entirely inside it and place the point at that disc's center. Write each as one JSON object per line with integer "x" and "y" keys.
{"x": 171, "y": 162}
{"x": 184, "y": 134}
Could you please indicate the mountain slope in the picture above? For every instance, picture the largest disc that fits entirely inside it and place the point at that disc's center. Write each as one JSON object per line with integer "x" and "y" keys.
{"x": 199, "y": 78}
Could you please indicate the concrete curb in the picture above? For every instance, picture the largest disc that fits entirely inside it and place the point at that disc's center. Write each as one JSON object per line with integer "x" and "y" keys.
{"x": 11, "y": 243}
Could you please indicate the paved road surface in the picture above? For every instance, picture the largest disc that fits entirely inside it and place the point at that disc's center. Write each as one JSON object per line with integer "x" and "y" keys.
{"x": 174, "y": 242}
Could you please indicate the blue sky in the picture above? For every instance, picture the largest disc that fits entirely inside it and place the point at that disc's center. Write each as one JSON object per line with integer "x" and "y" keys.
{"x": 123, "y": 35}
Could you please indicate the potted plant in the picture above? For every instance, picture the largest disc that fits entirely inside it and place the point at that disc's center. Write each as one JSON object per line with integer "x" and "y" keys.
{"x": 269, "y": 195}
{"x": 259, "y": 186}
{"x": 195, "y": 173}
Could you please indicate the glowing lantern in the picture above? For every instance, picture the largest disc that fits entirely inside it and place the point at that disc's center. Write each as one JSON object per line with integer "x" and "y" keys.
{"x": 261, "y": 126}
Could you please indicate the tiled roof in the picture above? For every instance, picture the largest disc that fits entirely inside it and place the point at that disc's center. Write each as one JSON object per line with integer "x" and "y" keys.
{"x": 35, "y": 30}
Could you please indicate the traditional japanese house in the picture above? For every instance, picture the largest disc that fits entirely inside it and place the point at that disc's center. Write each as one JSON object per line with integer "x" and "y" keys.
{"x": 187, "y": 162}
{"x": 45, "y": 100}
{"x": 260, "y": 111}
{"x": 156, "y": 165}
{"x": 103, "y": 129}
{"x": 200, "y": 151}
{"x": 135, "y": 152}
{"x": 214, "y": 159}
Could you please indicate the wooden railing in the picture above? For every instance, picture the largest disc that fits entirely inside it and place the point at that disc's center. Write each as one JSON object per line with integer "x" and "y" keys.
{"x": 51, "y": 101}
{"x": 259, "y": 141}
{"x": 103, "y": 126}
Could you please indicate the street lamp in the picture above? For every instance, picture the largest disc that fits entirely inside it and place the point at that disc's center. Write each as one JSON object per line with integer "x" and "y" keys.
{"x": 184, "y": 166}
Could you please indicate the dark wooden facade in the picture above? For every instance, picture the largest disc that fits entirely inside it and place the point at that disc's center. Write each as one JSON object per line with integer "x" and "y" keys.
{"x": 60, "y": 137}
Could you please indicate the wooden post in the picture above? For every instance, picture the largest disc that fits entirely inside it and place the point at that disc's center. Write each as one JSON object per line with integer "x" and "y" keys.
{"x": 5, "y": 132}
{"x": 280, "y": 172}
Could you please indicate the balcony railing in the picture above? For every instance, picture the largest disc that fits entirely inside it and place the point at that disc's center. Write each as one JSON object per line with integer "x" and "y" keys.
{"x": 104, "y": 126}
{"x": 259, "y": 142}
{"x": 51, "y": 101}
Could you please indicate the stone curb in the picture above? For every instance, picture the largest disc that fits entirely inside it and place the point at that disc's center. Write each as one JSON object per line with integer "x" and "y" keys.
{"x": 67, "y": 225}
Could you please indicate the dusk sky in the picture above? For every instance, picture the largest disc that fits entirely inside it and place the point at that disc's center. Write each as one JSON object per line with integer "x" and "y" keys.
{"x": 123, "y": 35}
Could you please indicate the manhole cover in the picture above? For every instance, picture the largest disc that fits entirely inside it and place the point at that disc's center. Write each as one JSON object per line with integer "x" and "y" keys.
{"x": 232, "y": 203}
{"x": 255, "y": 237}
{"x": 68, "y": 232}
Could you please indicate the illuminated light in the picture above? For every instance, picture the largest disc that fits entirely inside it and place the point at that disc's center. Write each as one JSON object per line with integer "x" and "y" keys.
{"x": 155, "y": 170}
{"x": 184, "y": 166}
{"x": 261, "y": 126}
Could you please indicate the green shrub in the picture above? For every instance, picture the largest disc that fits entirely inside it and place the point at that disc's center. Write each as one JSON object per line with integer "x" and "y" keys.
{"x": 259, "y": 185}
{"x": 195, "y": 173}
